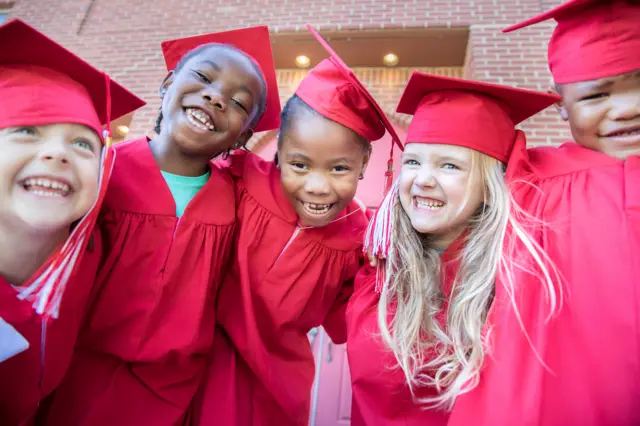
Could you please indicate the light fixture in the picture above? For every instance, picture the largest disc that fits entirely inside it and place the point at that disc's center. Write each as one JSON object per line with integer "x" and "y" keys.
{"x": 123, "y": 130}
{"x": 303, "y": 61}
{"x": 390, "y": 59}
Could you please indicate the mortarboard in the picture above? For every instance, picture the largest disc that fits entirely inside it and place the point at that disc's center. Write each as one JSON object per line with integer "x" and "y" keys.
{"x": 477, "y": 115}
{"x": 593, "y": 39}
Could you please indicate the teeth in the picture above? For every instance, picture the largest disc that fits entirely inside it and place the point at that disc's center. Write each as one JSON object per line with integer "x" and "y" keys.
{"x": 38, "y": 186}
{"x": 628, "y": 133}
{"x": 428, "y": 204}
{"x": 317, "y": 208}
{"x": 200, "y": 119}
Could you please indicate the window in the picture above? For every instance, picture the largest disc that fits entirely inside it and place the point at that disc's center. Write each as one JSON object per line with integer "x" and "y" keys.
{"x": 4, "y": 14}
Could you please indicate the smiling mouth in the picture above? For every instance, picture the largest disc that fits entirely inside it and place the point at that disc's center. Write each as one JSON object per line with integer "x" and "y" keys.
{"x": 623, "y": 133}
{"x": 427, "y": 203}
{"x": 316, "y": 209}
{"x": 46, "y": 187}
{"x": 200, "y": 119}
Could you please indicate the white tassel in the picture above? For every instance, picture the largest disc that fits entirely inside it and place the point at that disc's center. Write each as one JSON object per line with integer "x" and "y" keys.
{"x": 379, "y": 237}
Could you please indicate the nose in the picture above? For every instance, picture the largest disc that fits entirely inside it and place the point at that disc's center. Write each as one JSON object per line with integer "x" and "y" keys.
{"x": 317, "y": 184}
{"x": 625, "y": 106}
{"x": 213, "y": 96}
{"x": 425, "y": 177}
{"x": 54, "y": 151}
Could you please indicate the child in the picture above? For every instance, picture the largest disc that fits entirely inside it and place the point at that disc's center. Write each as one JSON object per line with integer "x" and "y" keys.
{"x": 298, "y": 245}
{"x": 168, "y": 221}
{"x": 580, "y": 366}
{"x": 51, "y": 116}
{"x": 418, "y": 328}
{"x": 593, "y": 57}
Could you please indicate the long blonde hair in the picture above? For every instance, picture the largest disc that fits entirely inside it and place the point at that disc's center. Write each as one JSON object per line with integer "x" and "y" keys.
{"x": 448, "y": 359}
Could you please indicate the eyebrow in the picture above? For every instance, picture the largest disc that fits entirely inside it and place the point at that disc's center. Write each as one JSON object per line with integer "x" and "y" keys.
{"x": 211, "y": 64}
{"x": 597, "y": 85}
{"x": 298, "y": 155}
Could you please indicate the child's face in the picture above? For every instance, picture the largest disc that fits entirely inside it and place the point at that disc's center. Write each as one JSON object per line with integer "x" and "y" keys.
{"x": 210, "y": 102}
{"x": 604, "y": 114}
{"x": 320, "y": 162}
{"x": 439, "y": 189}
{"x": 48, "y": 175}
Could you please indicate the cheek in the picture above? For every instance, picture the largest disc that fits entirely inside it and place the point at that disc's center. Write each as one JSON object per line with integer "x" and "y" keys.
{"x": 345, "y": 187}
{"x": 405, "y": 181}
{"x": 584, "y": 119}
{"x": 88, "y": 174}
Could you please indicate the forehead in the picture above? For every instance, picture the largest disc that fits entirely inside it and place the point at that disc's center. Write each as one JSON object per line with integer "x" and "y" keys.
{"x": 226, "y": 59}
{"x": 313, "y": 132}
{"x": 438, "y": 150}
{"x": 622, "y": 81}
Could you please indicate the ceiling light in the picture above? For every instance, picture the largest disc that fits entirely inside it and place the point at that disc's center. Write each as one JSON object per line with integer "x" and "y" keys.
{"x": 123, "y": 130}
{"x": 303, "y": 61}
{"x": 390, "y": 59}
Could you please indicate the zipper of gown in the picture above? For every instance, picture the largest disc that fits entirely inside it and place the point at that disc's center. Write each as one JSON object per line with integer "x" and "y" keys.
{"x": 173, "y": 237}
{"x": 293, "y": 237}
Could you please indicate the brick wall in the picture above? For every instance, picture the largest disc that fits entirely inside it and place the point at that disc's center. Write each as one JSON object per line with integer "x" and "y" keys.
{"x": 123, "y": 38}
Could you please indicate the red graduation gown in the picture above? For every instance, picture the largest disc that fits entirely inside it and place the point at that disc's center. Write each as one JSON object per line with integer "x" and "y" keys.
{"x": 380, "y": 393}
{"x": 142, "y": 352}
{"x": 284, "y": 280}
{"x": 591, "y": 203}
{"x": 28, "y": 377}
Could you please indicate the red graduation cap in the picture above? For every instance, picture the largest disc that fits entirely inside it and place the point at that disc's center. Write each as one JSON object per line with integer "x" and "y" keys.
{"x": 43, "y": 83}
{"x": 593, "y": 39}
{"x": 333, "y": 90}
{"x": 256, "y": 44}
{"x": 473, "y": 114}
{"x": 49, "y": 84}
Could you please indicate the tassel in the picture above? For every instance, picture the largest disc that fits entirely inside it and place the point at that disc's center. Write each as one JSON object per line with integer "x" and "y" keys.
{"x": 46, "y": 287}
{"x": 378, "y": 239}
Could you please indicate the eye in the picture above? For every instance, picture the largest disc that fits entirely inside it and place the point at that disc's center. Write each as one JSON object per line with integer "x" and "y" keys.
{"x": 297, "y": 165}
{"x": 81, "y": 143}
{"x": 239, "y": 105}
{"x": 411, "y": 162}
{"x": 341, "y": 169}
{"x": 594, "y": 96}
{"x": 27, "y": 130}
{"x": 202, "y": 76}
{"x": 450, "y": 166}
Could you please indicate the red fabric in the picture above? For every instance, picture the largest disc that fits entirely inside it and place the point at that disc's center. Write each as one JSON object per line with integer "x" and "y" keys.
{"x": 69, "y": 91}
{"x": 591, "y": 203}
{"x": 142, "y": 352}
{"x": 332, "y": 90}
{"x": 254, "y": 42}
{"x": 473, "y": 114}
{"x": 26, "y": 381}
{"x": 283, "y": 281}
{"x": 593, "y": 39}
{"x": 380, "y": 393}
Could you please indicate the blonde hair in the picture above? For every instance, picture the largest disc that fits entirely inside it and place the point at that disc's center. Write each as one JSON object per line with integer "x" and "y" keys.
{"x": 448, "y": 359}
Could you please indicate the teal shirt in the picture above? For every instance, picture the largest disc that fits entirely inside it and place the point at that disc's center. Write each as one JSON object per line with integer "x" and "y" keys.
{"x": 184, "y": 188}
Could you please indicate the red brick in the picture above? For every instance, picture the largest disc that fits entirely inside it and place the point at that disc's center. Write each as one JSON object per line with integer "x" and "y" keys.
{"x": 123, "y": 38}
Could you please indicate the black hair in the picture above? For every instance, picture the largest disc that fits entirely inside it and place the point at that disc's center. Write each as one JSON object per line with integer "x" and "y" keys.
{"x": 262, "y": 106}
{"x": 295, "y": 107}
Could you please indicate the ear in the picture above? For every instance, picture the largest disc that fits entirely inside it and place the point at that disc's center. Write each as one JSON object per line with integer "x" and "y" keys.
{"x": 243, "y": 139}
{"x": 365, "y": 161}
{"x": 168, "y": 80}
{"x": 559, "y": 106}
